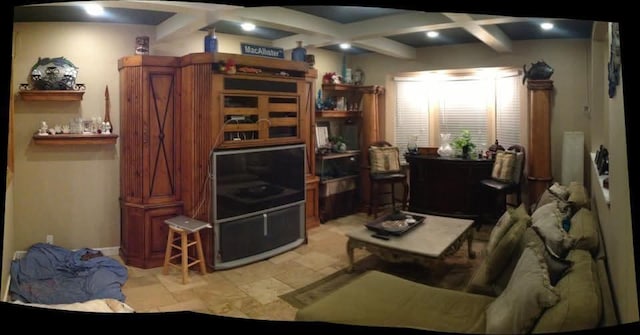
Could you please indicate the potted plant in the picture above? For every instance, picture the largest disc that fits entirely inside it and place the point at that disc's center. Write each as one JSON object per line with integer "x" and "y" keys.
{"x": 338, "y": 144}
{"x": 464, "y": 144}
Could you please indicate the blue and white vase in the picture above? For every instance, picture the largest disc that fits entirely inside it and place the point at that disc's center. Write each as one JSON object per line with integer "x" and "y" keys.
{"x": 299, "y": 53}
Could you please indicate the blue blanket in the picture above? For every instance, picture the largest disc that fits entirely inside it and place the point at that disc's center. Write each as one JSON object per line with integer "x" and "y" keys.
{"x": 49, "y": 274}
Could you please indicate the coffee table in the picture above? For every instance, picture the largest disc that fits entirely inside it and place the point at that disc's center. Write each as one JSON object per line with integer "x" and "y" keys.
{"x": 435, "y": 238}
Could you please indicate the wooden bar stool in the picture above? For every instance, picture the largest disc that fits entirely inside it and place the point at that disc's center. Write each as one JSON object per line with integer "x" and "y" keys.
{"x": 181, "y": 228}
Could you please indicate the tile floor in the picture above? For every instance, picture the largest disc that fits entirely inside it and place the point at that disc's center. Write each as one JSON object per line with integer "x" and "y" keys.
{"x": 249, "y": 291}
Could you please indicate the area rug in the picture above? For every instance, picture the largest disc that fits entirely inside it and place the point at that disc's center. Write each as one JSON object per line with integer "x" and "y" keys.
{"x": 452, "y": 272}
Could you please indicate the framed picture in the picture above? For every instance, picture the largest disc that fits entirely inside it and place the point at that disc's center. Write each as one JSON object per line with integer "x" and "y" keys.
{"x": 322, "y": 137}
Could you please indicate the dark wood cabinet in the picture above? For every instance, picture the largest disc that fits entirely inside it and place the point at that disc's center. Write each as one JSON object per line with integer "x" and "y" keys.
{"x": 174, "y": 111}
{"x": 150, "y": 187}
{"x": 447, "y": 186}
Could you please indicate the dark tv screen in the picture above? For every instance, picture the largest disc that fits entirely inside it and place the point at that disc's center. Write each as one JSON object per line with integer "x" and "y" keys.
{"x": 250, "y": 181}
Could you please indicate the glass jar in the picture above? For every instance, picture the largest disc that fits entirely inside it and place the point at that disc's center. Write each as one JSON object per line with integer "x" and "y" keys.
{"x": 445, "y": 149}
{"x": 412, "y": 145}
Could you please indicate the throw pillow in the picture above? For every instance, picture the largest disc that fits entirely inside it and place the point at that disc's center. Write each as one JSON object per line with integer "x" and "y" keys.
{"x": 555, "y": 238}
{"x": 527, "y": 295}
{"x": 504, "y": 249}
{"x": 584, "y": 229}
{"x": 384, "y": 159}
{"x": 578, "y": 195}
{"x": 510, "y": 216}
{"x": 557, "y": 267}
{"x": 497, "y": 165}
{"x": 560, "y": 191}
{"x": 560, "y": 207}
{"x": 517, "y": 167}
{"x": 507, "y": 167}
{"x": 545, "y": 198}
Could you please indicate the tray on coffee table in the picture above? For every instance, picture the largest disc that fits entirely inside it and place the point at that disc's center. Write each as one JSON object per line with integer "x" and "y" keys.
{"x": 395, "y": 224}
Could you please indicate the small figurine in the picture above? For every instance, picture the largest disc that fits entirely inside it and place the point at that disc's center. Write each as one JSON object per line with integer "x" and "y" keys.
{"x": 107, "y": 127}
{"x": 43, "y": 128}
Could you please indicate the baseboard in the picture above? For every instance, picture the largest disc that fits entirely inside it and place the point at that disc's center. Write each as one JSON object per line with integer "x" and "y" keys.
{"x": 109, "y": 251}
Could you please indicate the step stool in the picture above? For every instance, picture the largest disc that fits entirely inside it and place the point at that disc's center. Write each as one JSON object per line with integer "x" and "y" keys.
{"x": 181, "y": 228}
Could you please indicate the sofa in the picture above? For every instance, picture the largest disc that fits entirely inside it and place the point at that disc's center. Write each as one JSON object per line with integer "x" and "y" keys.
{"x": 544, "y": 271}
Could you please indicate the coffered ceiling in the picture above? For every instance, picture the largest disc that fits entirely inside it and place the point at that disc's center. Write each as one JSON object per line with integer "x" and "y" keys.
{"x": 388, "y": 31}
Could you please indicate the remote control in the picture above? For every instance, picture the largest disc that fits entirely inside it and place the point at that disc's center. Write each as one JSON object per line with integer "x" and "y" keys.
{"x": 382, "y": 237}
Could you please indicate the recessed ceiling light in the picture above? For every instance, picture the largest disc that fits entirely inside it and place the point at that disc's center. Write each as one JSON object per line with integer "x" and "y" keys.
{"x": 345, "y": 46}
{"x": 248, "y": 26}
{"x": 94, "y": 9}
{"x": 546, "y": 25}
{"x": 433, "y": 34}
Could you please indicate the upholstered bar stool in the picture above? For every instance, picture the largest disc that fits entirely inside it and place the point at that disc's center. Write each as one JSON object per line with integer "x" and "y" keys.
{"x": 506, "y": 178}
{"x": 184, "y": 232}
{"x": 385, "y": 169}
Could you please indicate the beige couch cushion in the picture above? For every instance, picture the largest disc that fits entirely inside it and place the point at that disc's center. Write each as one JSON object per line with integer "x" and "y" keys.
{"x": 527, "y": 295}
{"x": 379, "y": 299}
{"x": 584, "y": 229}
{"x": 580, "y": 305}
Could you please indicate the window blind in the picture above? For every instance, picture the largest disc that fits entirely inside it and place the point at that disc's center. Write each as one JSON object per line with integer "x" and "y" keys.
{"x": 508, "y": 111}
{"x": 463, "y": 106}
{"x": 412, "y": 114}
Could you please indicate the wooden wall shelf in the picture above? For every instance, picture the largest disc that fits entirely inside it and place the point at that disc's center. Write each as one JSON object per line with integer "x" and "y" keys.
{"x": 72, "y": 139}
{"x": 44, "y": 95}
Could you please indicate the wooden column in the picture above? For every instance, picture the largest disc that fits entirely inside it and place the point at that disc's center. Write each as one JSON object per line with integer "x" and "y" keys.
{"x": 539, "y": 151}
{"x": 371, "y": 131}
{"x": 307, "y": 132}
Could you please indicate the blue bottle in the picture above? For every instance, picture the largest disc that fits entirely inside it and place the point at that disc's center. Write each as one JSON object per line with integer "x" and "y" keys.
{"x": 299, "y": 53}
{"x": 211, "y": 42}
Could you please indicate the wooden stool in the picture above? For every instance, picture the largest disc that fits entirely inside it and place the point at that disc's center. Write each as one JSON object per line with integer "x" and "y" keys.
{"x": 180, "y": 229}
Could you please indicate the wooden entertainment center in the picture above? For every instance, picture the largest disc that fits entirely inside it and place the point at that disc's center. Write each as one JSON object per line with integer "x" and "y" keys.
{"x": 175, "y": 110}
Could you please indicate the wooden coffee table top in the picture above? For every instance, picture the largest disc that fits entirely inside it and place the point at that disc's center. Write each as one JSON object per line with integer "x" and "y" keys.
{"x": 431, "y": 238}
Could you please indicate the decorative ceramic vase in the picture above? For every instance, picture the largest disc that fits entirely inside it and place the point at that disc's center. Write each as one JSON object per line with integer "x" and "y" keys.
{"x": 299, "y": 53}
{"x": 211, "y": 41}
{"x": 445, "y": 149}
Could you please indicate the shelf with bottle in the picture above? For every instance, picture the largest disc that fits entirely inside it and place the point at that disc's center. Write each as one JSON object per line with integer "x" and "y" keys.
{"x": 77, "y": 131}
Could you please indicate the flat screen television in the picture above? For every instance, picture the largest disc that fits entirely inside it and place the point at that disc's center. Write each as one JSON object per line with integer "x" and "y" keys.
{"x": 250, "y": 181}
